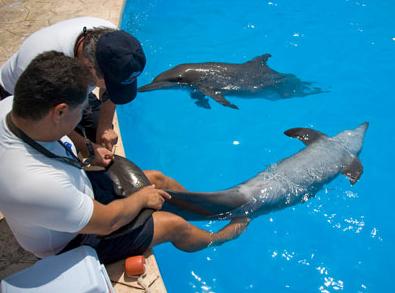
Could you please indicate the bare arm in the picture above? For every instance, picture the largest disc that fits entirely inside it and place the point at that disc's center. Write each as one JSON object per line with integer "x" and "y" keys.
{"x": 79, "y": 142}
{"x": 103, "y": 156}
{"x": 109, "y": 218}
{"x": 105, "y": 135}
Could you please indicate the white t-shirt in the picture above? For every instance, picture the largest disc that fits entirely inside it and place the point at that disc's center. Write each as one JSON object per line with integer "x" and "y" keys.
{"x": 60, "y": 37}
{"x": 45, "y": 202}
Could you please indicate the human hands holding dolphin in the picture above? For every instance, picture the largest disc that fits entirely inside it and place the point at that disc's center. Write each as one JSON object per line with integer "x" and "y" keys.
{"x": 103, "y": 156}
{"x": 152, "y": 197}
{"x": 107, "y": 138}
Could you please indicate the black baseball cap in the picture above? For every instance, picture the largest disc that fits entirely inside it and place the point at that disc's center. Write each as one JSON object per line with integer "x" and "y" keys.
{"x": 121, "y": 59}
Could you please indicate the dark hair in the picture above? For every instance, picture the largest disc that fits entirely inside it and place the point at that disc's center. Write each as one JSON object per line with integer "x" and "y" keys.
{"x": 91, "y": 38}
{"x": 50, "y": 79}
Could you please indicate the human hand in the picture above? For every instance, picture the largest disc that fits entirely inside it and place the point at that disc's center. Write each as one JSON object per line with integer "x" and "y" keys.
{"x": 153, "y": 198}
{"x": 107, "y": 138}
{"x": 103, "y": 156}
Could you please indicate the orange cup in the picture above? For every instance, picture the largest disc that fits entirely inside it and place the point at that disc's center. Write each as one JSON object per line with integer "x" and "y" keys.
{"x": 134, "y": 265}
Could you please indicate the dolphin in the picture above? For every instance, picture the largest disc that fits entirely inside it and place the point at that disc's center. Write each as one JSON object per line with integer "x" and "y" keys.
{"x": 213, "y": 79}
{"x": 293, "y": 180}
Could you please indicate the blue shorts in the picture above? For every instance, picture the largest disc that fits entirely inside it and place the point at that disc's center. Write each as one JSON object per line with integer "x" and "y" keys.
{"x": 134, "y": 240}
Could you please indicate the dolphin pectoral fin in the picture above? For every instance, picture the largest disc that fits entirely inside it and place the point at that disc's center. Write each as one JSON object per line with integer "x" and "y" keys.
{"x": 305, "y": 135}
{"x": 201, "y": 100}
{"x": 203, "y": 103}
{"x": 196, "y": 95}
{"x": 354, "y": 171}
{"x": 224, "y": 102}
{"x": 218, "y": 98}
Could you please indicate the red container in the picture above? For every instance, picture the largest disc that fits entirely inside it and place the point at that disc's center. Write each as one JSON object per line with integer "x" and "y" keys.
{"x": 135, "y": 265}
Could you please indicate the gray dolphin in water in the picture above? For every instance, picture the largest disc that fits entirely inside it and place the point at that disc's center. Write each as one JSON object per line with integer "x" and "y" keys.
{"x": 291, "y": 181}
{"x": 216, "y": 80}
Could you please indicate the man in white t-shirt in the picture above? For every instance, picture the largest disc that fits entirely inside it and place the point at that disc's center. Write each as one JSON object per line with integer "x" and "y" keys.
{"x": 114, "y": 58}
{"x": 46, "y": 196}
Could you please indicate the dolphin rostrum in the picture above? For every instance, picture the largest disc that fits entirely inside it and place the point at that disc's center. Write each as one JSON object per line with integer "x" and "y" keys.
{"x": 292, "y": 180}
{"x": 213, "y": 79}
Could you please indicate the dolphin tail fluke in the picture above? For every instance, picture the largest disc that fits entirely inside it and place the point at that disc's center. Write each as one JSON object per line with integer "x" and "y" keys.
{"x": 305, "y": 135}
{"x": 354, "y": 171}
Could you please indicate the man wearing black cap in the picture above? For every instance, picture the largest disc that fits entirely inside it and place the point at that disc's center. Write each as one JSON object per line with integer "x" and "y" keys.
{"x": 114, "y": 58}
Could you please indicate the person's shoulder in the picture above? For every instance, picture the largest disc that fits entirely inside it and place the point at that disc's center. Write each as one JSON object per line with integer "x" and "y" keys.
{"x": 5, "y": 134}
{"x": 32, "y": 174}
{"x": 88, "y": 21}
{"x": 14, "y": 168}
{"x": 6, "y": 106}
{"x": 68, "y": 25}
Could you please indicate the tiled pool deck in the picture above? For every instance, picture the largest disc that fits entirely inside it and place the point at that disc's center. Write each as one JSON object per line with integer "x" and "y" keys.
{"x": 19, "y": 18}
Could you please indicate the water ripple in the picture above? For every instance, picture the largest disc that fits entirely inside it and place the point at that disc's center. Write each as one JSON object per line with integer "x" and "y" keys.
{"x": 329, "y": 281}
{"x": 199, "y": 284}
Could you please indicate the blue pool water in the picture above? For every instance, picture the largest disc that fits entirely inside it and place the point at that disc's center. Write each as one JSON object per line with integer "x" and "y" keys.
{"x": 341, "y": 240}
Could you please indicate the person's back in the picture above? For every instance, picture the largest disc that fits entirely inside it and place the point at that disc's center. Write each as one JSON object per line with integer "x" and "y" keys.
{"x": 59, "y": 37}
{"x": 31, "y": 200}
{"x": 114, "y": 59}
{"x": 44, "y": 201}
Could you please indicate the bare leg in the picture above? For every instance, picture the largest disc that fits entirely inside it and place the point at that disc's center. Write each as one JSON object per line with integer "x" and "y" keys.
{"x": 162, "y": 181}
{"x": 169, "y": 227}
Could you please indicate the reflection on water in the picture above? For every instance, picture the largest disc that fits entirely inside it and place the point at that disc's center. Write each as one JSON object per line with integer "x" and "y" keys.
{"x": 199, "y": 285}
{"x": 343, "y": 222}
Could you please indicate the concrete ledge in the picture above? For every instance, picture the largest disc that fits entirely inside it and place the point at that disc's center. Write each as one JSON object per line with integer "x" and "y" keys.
{"x": 12, "y": 257}
{"x": 20, "y": 18}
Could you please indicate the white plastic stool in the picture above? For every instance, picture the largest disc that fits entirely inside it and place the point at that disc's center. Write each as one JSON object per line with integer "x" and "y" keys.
{"x": 77, "y": 270}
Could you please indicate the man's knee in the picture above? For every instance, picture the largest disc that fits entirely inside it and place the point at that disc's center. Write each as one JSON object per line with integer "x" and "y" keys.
{"x": 181, "y": 229}
{"x": 171, "y": 226}
{"x": 156, "y": 177}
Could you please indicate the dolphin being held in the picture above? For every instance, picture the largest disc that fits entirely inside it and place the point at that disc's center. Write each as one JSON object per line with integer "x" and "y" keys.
{"x": 291, "y": 181}
{"x": 216, "y": 80}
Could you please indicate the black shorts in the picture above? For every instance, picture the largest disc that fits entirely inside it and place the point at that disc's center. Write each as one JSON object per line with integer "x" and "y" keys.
{"x": 119, "y": 244}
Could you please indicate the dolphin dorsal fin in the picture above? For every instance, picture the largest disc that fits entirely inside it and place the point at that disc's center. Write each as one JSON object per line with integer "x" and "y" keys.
{"x": 305, "y": 135}
{"x": 353, "y": 171}
{"x": 261, "y": 59}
